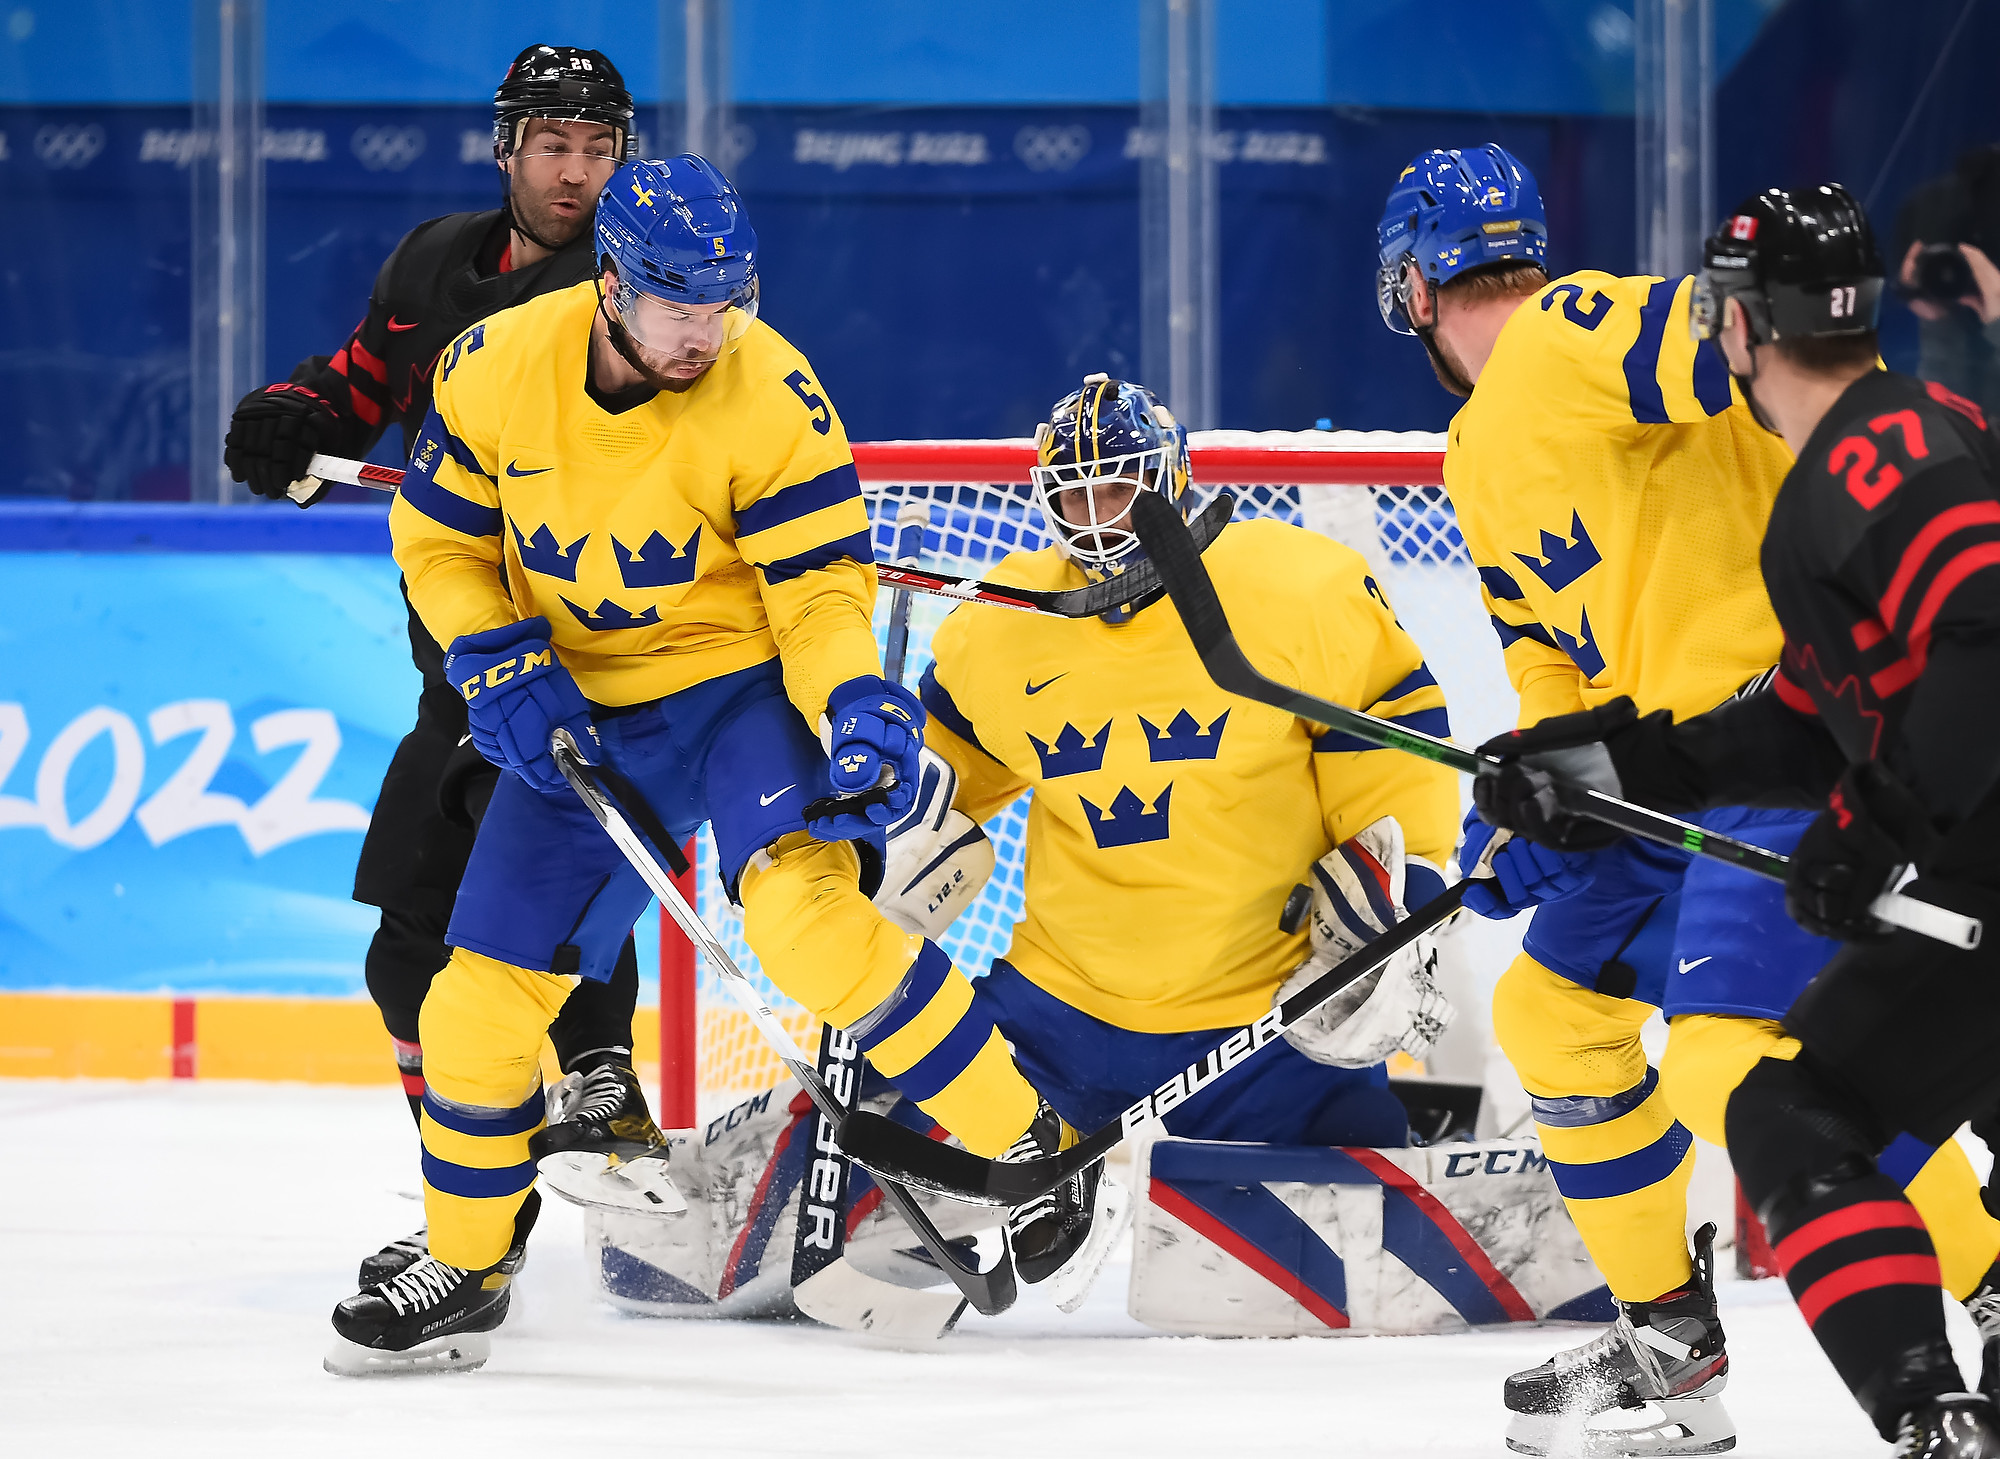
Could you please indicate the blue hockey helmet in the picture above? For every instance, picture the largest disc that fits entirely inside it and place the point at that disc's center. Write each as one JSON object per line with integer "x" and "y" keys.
{"x": 677, "y": 237}
{"x": 1100, "y": 447}
{"x": 1451, "y": 212}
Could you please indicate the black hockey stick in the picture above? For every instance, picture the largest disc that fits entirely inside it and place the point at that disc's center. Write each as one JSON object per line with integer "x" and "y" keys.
{"x": 896, "y": 1153}
{"x": 1139, "y": 585}
{"x": 990, "y": 1292}
{"x": 1167, "y": 545}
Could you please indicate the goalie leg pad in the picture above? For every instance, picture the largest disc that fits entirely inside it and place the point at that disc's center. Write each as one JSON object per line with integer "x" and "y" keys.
{"x": 1276, "y": 1240}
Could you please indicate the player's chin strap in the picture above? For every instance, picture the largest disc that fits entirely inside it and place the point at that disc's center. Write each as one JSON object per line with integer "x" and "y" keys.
{"x": 1744, "y": 382}
{"x": 621, "y": 338}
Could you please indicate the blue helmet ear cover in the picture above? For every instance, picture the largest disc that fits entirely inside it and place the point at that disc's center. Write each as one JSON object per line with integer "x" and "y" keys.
{"x": 677, "y": 230}
{"x": 1453, "y": 211}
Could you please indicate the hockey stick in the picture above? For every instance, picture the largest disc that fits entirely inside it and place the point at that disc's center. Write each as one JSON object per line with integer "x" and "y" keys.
{"x": 1165, "y": 539}
{"x": 1138, "y": 585}
{"x": 896, "y": 1153}
{"x": 990, "y": 1292}
{"x": 824, "y": 1284}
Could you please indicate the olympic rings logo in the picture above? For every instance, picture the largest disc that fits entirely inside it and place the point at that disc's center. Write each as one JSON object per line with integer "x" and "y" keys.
{"x": 1051, "y": 149}
{"x": 69, "y": 147}
{"x": 387, "y": 149}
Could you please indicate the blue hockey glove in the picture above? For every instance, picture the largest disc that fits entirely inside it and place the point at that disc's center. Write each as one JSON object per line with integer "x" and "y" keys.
{"x": 517, "y": 693}
{"x": 872, "y": 725}
{"x": 1513, "y": 873}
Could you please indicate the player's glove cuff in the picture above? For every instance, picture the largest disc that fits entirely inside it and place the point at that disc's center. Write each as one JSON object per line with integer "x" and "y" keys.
{"x": 1510, "y": 874}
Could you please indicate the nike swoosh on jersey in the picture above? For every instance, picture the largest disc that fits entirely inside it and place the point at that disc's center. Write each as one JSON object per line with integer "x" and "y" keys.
{"x": 397, "y": 325}
{"x": 767, "y": 799}
{"x": 514, "y": 469}
{"x": 1688, "y": 967}
{"x": 1034, "y": 688}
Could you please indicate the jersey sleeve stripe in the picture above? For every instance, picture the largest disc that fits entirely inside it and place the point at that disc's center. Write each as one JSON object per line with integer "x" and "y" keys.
{"x": 1420, "y": 678}
{"x": 1711, "y": 378}
{"x": 789, "y": 503}
{"x": 1500, "y": 585}
{"x": 1954, "y": 519}
{"x": 367, "y": 360}
{"x": 449, "y": 509}
{"x": 939, "y": 704}
{"x": 1510, "y": 634}
{"x": 1642, "y": 361}
{"x": 857, "y": 547}
{"x": 1971, "y": 560}
{"x": 1435, "y": 721}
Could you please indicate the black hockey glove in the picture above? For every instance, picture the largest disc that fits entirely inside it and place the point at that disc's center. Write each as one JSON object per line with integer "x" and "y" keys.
{"x": 273, "y": 435}
{"x": 1523, "y": 795}
{"x": 1872, "y": 827}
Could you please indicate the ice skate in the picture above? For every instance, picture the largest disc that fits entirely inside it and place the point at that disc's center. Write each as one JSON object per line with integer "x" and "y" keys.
{"x": 1950, "y": 1426}
{"x": 601, "y": 1148}
{"x": 405, "y": 1252}
{"x": 1650, "y": 1385}
{"x": 1983, "y": 1306}
{"x": 397, "y": 1257}
{"x": 1052, "y": 1234}
{"x": 430, "y": 1318}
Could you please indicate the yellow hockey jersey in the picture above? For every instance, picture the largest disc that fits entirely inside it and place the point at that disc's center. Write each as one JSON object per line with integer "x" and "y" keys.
{"x": 1171, "y": 819}
{"x": 1613, "y": 489}
{"x": 686, "y": 538}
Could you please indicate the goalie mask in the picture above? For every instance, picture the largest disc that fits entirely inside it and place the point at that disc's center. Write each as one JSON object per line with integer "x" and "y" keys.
{"x": 1100, "y": 448}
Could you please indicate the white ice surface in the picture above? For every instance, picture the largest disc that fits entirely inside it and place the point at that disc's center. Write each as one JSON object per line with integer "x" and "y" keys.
{"x": 169, "y": 1254}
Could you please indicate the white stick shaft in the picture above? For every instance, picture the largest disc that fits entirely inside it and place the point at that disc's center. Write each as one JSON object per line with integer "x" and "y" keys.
{"x": 339, "y": 468}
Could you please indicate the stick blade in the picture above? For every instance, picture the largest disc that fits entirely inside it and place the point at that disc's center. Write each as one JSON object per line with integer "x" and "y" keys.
{"x": 842, "y": 1296}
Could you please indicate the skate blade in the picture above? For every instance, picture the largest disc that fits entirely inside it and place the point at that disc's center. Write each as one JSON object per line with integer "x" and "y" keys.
{"x": 841, "y": 1295}
{"x": 1661, "y": 1429}
{"x": 1071, "y": 1282}
{"x": 460, "y": 1353}
{"x": 635, "y": 1187}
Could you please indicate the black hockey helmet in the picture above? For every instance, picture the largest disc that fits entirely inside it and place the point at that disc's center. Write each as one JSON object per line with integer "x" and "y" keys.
{"x": 564, "y": 84}
{"x": 1802, "y": 263}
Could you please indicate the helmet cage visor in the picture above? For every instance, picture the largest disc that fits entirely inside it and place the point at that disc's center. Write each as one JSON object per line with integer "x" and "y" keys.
{"x": 1392, "y": 293}
{"x": 687, "y": 333}
{"x": 1103, "y": 536}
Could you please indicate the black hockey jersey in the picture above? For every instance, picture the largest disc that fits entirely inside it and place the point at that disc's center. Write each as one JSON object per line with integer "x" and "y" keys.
{"x": 1881, "y": 561}
{"x": 444, "y": 277}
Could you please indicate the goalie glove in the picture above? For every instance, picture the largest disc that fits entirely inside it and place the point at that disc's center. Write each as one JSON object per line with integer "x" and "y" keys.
{"x": 1357, "y": 891}
{"x": 938, "y": 858}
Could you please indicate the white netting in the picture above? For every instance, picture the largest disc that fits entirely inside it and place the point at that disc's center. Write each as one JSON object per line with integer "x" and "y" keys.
{"x": 1407, "y": 533}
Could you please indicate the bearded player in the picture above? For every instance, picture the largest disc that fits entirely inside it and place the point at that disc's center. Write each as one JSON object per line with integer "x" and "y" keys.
{"x": 632, "y": 515}
{"x": 562, "y": 122}
{"x": 1613, "y": 488}
{"x": 1171, "y": 820}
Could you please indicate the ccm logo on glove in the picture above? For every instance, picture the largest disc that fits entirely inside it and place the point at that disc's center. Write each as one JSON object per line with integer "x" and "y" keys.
{"x": 506, "y": 669}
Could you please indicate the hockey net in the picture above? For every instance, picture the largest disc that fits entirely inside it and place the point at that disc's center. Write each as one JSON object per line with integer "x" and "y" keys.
{"x": 1380, "y": 492}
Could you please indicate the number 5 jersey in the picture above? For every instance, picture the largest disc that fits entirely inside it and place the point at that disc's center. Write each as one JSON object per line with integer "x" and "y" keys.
{"x": 668, "y": 542}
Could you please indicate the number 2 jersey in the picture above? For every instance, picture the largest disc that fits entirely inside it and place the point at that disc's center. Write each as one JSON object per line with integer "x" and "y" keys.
{"x": 1171, "y": 819}
{"x": 687, "y": 537}
{"x": 1613, "y": 491}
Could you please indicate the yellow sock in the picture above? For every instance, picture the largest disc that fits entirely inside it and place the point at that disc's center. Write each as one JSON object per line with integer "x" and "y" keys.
{"x": 482, "y": 1027}
{"x": 1708, "y": 1055}
{"x": 1620, "y": 1159}
{"x": 828, "y": 947}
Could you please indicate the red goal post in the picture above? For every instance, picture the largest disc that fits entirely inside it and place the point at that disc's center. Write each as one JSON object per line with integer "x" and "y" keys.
{"x": 1379, "y": 491}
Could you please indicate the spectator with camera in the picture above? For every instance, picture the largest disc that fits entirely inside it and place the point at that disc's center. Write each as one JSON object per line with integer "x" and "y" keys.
{"x": 1948, "y": 234}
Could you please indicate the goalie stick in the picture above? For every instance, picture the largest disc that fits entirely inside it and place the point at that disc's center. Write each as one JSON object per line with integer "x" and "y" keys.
{"x": 1167, "y": 545}
{"x": 1140, "y": 585}
{"x": 991, "y": 1292}
{"x": 895, "y": 1153}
